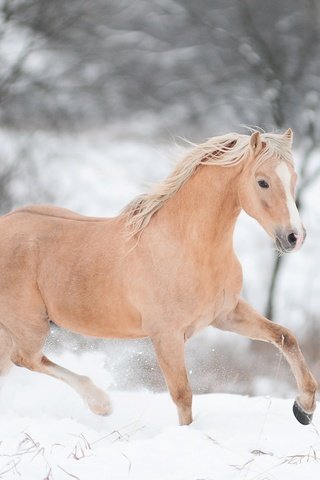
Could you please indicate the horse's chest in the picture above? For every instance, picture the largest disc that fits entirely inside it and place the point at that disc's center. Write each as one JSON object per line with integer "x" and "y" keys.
{"x": 222, "y": 302}
{"x": 217, "y": 296}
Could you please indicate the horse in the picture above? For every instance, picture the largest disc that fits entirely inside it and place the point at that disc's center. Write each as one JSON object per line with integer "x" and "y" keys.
{"x": 164, "y": 268}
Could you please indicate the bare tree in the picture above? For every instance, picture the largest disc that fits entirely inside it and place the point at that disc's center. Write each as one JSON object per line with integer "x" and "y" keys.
{"x": 294, "y": 98}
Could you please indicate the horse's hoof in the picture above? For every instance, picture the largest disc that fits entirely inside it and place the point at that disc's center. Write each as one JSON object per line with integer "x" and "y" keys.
{"x": 100, "y": 403}
{"x": 302, "y": 416}
{"x": 101, "y": 409}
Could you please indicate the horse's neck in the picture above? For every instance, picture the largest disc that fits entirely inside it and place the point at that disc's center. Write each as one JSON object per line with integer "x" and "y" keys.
{"x": 206, "y": 208}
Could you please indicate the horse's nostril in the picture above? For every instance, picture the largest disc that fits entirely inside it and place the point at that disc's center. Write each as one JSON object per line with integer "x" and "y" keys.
{"x": 292, "y": 239}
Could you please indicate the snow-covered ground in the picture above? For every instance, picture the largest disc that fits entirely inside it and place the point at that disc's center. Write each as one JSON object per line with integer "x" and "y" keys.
{"x": 47, "y": 433}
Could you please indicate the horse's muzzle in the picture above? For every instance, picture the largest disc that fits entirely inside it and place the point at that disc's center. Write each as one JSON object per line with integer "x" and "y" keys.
{"x": 288, "y": 240}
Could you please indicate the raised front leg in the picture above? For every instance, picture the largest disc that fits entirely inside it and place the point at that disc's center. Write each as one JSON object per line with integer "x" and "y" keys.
{"x": 246, "y": 321}
{"x": 169, "y": 348}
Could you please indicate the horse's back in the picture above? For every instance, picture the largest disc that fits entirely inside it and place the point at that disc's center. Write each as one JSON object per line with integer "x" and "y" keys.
{"x": 37, "y": 228}
{"x": 40, "y": 239}
{"x": 54, "y": 211}
{"x": 45, "y": 234}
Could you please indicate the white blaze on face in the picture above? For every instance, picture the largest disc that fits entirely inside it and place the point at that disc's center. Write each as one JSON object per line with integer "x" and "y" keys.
{"x": 284, "y": 174}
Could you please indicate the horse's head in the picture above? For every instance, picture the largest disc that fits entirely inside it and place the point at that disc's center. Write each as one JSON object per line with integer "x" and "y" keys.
{"x": 267, "y": 189}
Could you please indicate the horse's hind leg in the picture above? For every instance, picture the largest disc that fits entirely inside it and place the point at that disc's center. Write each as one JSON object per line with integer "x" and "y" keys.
{"x": 94, "y": 397}
{"x": 28, "y": 345}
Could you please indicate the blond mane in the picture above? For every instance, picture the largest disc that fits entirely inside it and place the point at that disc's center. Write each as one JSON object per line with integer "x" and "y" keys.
{"x": 225, "y": 150}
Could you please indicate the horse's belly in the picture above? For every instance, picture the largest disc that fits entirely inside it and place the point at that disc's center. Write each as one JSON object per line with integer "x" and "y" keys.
{"x": 96, "y": 315}
{"x": 102, "y": 327}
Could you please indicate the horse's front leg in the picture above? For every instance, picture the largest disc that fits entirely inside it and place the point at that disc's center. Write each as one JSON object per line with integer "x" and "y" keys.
{"x": 169, "y": 348}
{"x": 246, "y": 321}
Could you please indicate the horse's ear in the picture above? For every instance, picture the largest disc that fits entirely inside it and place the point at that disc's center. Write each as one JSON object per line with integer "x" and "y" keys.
{"x": 256, "y": 142}
{"x": 289, "y": 135}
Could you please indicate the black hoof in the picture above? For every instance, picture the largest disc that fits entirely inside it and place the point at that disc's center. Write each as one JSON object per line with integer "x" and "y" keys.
{"x": 302, "y": 416}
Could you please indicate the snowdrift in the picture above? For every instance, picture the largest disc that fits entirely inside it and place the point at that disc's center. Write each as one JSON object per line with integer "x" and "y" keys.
{"x": 48, "y": 433}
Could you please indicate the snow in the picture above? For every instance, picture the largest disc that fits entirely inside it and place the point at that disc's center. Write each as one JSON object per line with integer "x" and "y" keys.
{"x": 48, "y": 433}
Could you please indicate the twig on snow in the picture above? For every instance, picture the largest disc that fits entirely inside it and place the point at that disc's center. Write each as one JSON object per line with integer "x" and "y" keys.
{"x": 13, "y": 467}
{"x": 68, "y": 473}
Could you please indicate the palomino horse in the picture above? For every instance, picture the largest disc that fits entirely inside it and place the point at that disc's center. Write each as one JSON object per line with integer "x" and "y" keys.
{"x": 164, "y": 268}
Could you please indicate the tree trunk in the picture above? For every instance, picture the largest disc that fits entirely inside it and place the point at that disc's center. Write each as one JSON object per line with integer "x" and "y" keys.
{"x": 269, "y": 313}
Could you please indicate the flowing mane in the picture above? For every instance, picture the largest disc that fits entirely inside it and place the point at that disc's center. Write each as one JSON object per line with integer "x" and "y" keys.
{"x": 224, "y": 150}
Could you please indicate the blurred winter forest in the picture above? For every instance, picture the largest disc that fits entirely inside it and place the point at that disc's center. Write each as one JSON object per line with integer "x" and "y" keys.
{"x": 93, "y": 97}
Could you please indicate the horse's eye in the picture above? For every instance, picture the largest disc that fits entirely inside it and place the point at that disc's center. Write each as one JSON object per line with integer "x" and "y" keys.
{"x": 263, "y": 184}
